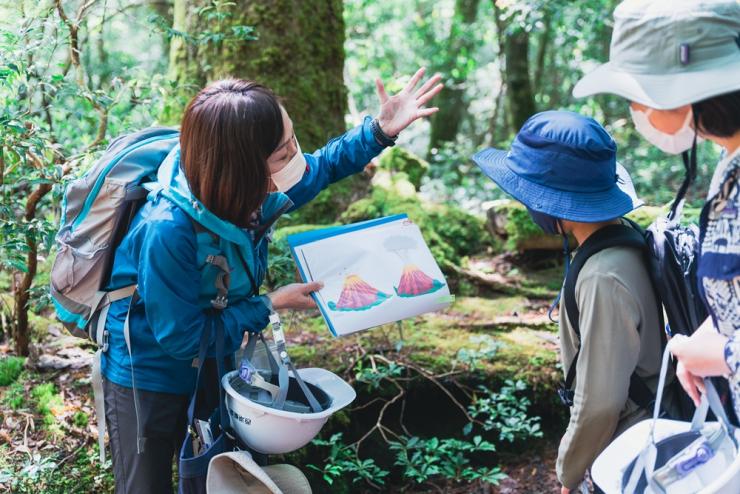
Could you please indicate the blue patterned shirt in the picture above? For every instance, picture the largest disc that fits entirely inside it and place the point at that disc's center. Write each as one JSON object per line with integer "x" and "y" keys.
{"x": 719, "y": 265}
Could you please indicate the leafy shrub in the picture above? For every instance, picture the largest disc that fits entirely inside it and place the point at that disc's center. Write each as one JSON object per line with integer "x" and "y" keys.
{"x": 424, "y": 459}
{"x": 15, "y": 396}
{"x": 343, "y": 461}
{"x": 506, "y": 412}
{"x": 47, "y": 401}
{"x": 10, "y": 368}
{"x": 486, "y": 348}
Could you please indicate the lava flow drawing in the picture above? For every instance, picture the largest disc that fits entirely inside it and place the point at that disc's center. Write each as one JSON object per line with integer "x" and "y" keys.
{"x": 358, "y": 295}
{"x": 414, "y": 282}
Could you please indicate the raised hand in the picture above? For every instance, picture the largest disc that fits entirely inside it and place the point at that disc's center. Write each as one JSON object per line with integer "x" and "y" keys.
{"x": 400, "y": 110}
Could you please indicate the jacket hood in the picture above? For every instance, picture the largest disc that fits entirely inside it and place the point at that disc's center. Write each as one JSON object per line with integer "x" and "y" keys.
{"x": 172, "y": 184}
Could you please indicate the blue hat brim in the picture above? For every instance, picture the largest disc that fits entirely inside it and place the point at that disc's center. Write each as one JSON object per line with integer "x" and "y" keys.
{"x": 584, "y": 207}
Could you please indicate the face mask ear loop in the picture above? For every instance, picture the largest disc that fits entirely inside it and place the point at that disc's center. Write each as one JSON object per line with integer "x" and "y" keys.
{"x": 689, "y": 163}
{"x": 566, "y": 253}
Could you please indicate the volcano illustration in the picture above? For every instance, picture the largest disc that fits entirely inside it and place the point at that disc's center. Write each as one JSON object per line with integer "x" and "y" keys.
{"x": 357, "y": 294}
{"x": 415, "y": 282}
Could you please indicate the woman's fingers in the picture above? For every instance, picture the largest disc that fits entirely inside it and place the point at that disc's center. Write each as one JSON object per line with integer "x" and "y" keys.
{"x": 382, "y": 94}
{"x": 414, "y": 80}
{"x": 428, "y": 85}
{"x": 313, "y": 286}
{"x": 425, "y": 112}
{"x": 425, "y": 97}
{"x": 689, "y": 383}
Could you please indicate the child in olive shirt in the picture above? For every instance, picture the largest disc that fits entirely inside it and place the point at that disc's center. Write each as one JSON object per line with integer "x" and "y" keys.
{"x": 562, "y": 167}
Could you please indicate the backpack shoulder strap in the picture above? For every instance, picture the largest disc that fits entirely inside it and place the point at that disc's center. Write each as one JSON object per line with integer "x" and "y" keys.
{"x": 610, "y": 236}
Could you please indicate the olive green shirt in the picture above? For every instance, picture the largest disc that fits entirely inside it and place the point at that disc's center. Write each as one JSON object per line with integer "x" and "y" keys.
{"x": 620, "y": 331}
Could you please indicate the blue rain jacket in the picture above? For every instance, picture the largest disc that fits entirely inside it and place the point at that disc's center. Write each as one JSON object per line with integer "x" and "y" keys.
{"x": 165, "y": 256}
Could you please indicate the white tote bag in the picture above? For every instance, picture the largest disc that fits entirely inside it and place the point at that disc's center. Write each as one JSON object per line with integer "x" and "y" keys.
{"x": 661, "y": 456}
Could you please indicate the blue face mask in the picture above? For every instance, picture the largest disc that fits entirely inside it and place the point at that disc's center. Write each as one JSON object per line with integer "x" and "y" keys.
{"x": 549, "y": 224}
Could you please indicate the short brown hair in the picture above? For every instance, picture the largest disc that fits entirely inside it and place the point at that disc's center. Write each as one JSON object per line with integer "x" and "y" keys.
{"x": 228, "y": 131}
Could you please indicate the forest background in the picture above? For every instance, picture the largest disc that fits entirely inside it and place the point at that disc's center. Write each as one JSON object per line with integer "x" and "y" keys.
{"x": 74, "y": 74}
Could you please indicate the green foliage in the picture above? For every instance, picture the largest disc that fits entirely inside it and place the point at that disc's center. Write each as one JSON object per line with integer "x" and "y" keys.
{"x": 217, "y": 27}
{"x": 398, "y": 159}
{"x": 519, "y": 225}
{"x": 282, "y": 266}
{"x": 48, "y": 474}
{"x": 59, "y": 101}
{"x": 47, "y": 402}
{"x": 15, "y": 396}
{"x": 484, "y": 350}
{"x": 375, "y": 375}
{"x": 328, "y": 205}
{"x": 506, "y": 412}
{"x": 450, "y": 232}
{"x": 425, "y": 459}
{"x": 344, "y": 462}
{"x": 10, "y": 368}
{"x": 80, "y": 419}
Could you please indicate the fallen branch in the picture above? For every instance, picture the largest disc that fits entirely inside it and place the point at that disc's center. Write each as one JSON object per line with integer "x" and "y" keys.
{"x": 494, "y": 282}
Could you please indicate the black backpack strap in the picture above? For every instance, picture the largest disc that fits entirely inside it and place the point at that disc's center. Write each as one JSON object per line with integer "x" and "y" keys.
{"x": 610, "y": 236}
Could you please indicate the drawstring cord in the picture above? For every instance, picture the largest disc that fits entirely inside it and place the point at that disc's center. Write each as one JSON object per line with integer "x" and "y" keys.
{"x": 566, "y": 253}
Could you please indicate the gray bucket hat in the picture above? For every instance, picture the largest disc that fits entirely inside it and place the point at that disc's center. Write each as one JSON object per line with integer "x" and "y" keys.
{"x": 669, "y": 53}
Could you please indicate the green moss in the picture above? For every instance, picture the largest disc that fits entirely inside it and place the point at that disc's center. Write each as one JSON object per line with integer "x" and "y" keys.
{"x": 397, "y": 159}
{"x": 519, "y": 226}
{"x": 522, "y": 232}
{"x": 435, "y": 342}
{"x": 332, "y": 201}
{"x": 15, "y": 396}
{"x": 488, "y": 308}
{"x": 80, "y": 419}
{"x": 645, "y": 215}
{"x": 450, "y": 232}
{"x": 48, "y": 401}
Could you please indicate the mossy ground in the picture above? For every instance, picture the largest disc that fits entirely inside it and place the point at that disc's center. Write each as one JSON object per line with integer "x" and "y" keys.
{"x": 47, "y": 422}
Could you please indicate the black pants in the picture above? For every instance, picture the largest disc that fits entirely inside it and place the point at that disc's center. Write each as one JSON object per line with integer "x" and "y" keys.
{"x": 164, "y": 421}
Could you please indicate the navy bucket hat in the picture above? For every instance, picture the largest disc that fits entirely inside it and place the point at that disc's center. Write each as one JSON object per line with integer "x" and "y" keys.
{"x": 565, "y": 165}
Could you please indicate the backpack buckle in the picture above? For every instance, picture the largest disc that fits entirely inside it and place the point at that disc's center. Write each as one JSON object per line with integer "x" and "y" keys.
{"x": 566, "y": 395}
{"x": 104, "y": 348}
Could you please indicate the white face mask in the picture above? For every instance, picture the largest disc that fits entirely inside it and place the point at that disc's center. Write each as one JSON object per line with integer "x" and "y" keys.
{"x": 292, "y": 173}
{"x": 676, "y": 143}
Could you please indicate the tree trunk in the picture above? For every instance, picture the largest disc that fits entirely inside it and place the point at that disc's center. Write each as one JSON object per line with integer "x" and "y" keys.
{"x": 513, "y": 43}
{"x": 452, "y": 109}
{"x": 22, "y": 282}
{"x": 520, "y": 97}
{"x": 299, "y": 54}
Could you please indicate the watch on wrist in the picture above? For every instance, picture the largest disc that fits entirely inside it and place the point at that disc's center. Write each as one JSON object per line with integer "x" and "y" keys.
{"x": 380, "y": 136}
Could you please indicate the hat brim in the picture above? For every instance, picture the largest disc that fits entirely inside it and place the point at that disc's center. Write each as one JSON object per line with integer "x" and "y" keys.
{"x": 583, "y": 207}
{"x": 661, "y": 91}
{"x": 236, "y": 472}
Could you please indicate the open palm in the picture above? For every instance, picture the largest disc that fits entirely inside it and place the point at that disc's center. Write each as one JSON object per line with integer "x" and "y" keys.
{"x": 398, "y": 111}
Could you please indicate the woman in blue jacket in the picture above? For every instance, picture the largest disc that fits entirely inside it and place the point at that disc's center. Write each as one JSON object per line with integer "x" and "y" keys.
{"x": 238, "y": 167}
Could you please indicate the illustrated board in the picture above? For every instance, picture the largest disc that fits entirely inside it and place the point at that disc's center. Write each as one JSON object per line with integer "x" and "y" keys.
{"x": 374, "y": 272}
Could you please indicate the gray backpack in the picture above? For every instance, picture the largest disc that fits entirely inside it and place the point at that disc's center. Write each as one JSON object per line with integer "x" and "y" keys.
{"x": 97, "y": 210}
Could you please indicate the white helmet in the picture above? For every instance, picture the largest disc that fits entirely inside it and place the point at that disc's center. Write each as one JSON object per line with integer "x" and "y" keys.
{"x": 286, "y": 410}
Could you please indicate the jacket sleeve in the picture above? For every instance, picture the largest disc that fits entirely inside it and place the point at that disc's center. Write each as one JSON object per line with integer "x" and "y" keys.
{"x": 610, "y": 347}
{"x": 169, "y": 285}
{"x": 341, "y": 157}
